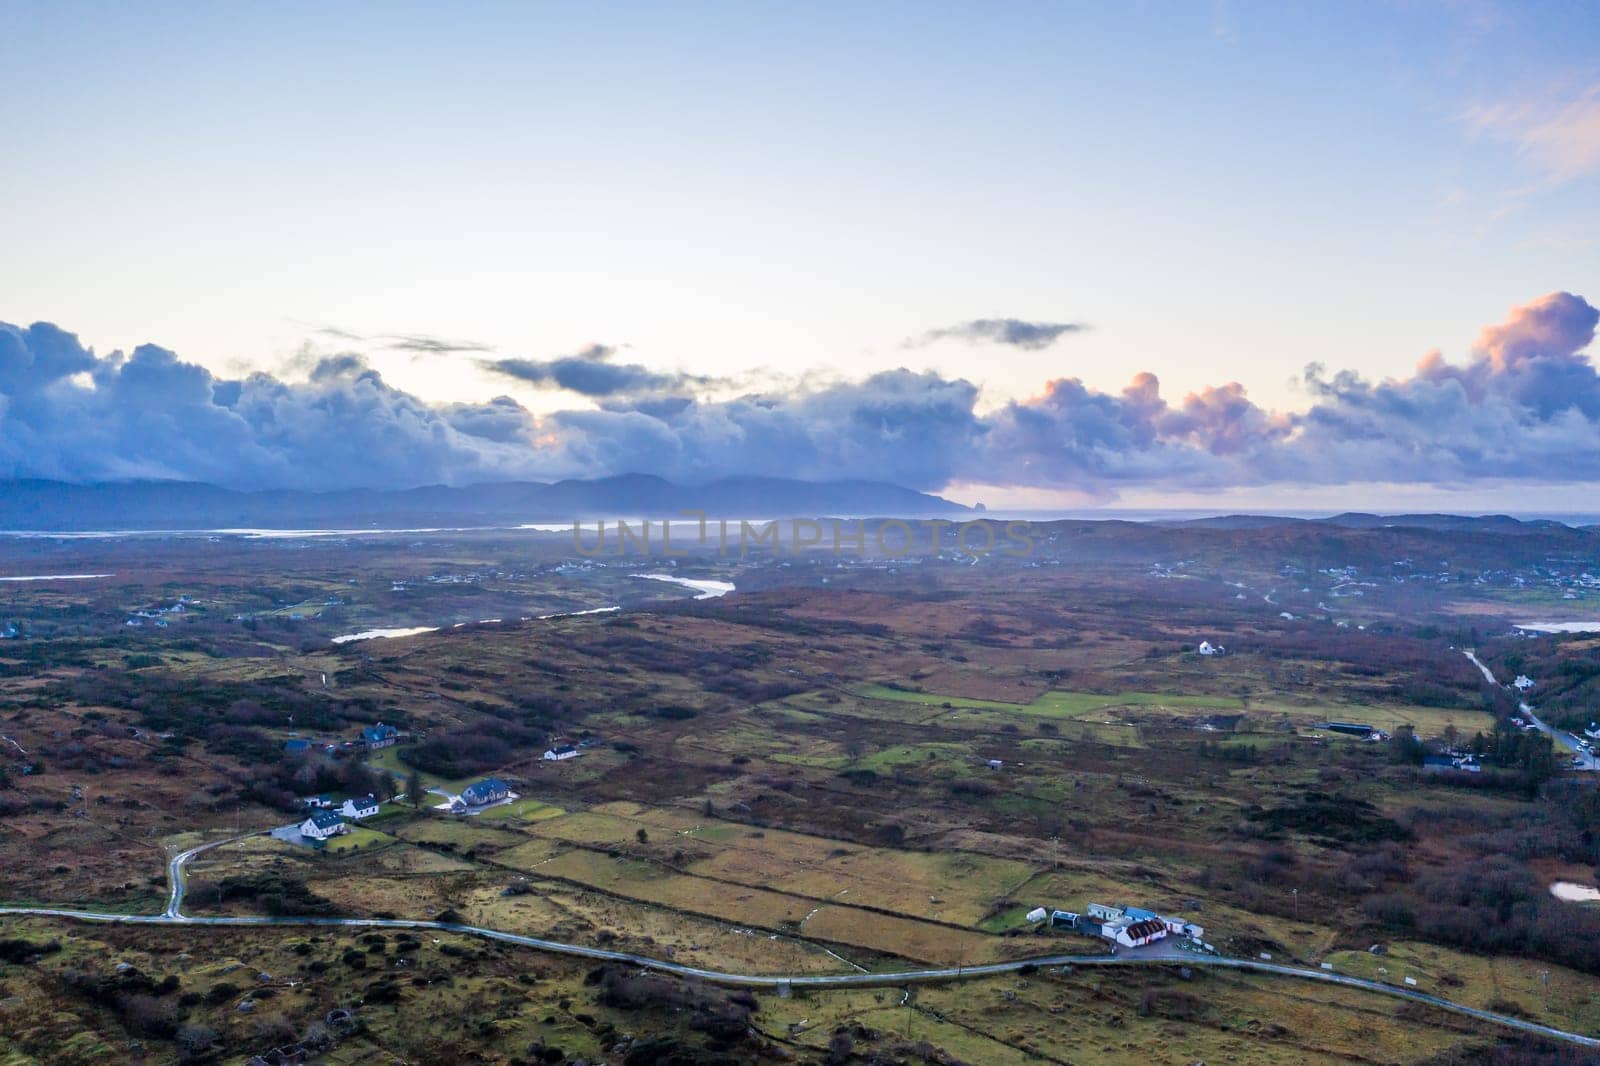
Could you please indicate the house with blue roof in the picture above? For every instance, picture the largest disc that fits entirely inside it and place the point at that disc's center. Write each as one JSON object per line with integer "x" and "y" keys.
{"x": 322, "y": 825}
{"x": 482, "y": 793}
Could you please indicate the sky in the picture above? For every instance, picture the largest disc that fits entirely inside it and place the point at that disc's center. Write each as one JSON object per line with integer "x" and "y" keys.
{"x": 947, "y": 245}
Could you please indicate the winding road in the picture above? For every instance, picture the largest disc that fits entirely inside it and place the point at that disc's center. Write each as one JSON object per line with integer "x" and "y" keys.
{"x": 1582, "y": 759}
{"x": 173, "y": 915}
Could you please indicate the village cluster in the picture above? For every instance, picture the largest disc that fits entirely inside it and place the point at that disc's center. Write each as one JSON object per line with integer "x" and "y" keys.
{"x": 330, "y": 817}
{"x": 1129, "y": 927}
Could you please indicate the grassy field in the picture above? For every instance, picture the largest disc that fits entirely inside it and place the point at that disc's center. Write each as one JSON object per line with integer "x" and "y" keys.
{"x": 1052, "y": 704}
{"x": 356, "y": 838}
{"x": 1507, "y": 985}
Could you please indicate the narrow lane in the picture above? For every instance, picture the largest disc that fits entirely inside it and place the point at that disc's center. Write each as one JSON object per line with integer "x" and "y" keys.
{"x": 1563, "y": 740}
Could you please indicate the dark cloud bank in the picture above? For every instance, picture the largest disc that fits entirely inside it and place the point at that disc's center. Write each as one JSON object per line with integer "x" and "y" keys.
{"x": 1525, "y": 405}
{"x": 591, "y": 372}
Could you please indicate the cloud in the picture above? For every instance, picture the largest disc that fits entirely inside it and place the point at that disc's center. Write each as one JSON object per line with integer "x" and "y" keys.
{"x": 1557, "y": 134}
{"x": 590, "y": 372}
{"x": 151, "y": 415}
{"x": 415, "y": 343}
{"x": 423, "y": 344}
{"x": 1524, "y": 404}
{"x": 1031, "y": 336}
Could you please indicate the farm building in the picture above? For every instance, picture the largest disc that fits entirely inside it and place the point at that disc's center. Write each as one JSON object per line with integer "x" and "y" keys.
{"x": 298, "y": 746}
{"x": 379, "y": 736}
{"x": 1208, "y": 648}
{"x": 1116, "y": 920}
{"x": 1137, "y": 934}
{"x": 1356, "y": 729}
{"x": 321, "y": 803}
{"x": 489, "y": 790}
{"x": 360, "y": 807}
{"x": 560, "y": 752}
{"x": 1063, "y": 920}
{"x": 1038, "y": 914}
{"x": 322, "y": 825}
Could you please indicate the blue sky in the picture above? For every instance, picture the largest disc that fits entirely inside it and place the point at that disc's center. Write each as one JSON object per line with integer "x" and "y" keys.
{"x": 782, "y": 195}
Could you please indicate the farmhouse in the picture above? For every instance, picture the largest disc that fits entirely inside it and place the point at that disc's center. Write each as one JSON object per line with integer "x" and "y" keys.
{"x": 322, "y": 825}
{"x": 360, "y": 807}
{"x": 1208, "y": 648}
{"x": 1464, "y": 763}
{"x": 1137, "y": 934}
{"x": 379, "y": 736}
{"x": 560, "y": 752}
{"x": 489, "y": 790}
{"x": 1120, "y": 923}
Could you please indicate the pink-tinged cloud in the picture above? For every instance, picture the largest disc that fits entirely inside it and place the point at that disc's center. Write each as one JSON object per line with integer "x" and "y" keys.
{"x": 1558, "y": 134}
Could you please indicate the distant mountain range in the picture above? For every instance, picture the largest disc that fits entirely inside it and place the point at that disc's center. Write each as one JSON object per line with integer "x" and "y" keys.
{"x": 129, "y": 505}
{"x": 1441, "y": 523}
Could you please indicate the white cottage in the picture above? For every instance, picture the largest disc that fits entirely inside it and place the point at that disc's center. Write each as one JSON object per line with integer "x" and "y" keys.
{"x": 360, "y": 807}
{"x": 322, "y": 825}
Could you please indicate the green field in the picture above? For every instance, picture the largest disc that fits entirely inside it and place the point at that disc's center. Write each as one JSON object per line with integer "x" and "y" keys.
{"x": 1052, "y": 704}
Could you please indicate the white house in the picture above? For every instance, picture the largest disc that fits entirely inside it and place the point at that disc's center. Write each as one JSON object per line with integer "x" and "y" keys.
{"x": 1523, "y": 682}
{"x": 360, "y": 807}
{"x": 1144, "y": 931}
{"x": 322, "y": 825}
{"x": 565, "y": 751}
{"x": 1208, "y": 648}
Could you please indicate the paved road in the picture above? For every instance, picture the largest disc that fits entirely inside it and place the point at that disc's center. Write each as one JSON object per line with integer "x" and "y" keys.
{"x": 173, "y": 916}
{"x": 1584, "y": 760}
{"x": 178, "y": 882}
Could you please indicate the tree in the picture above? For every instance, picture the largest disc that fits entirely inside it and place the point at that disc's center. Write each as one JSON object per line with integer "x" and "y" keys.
{"x": 1404, "y": 747}
{"x": 414, "y": 788}
{"x": 642, "y": 836}
{"x": 385, "y": 787}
